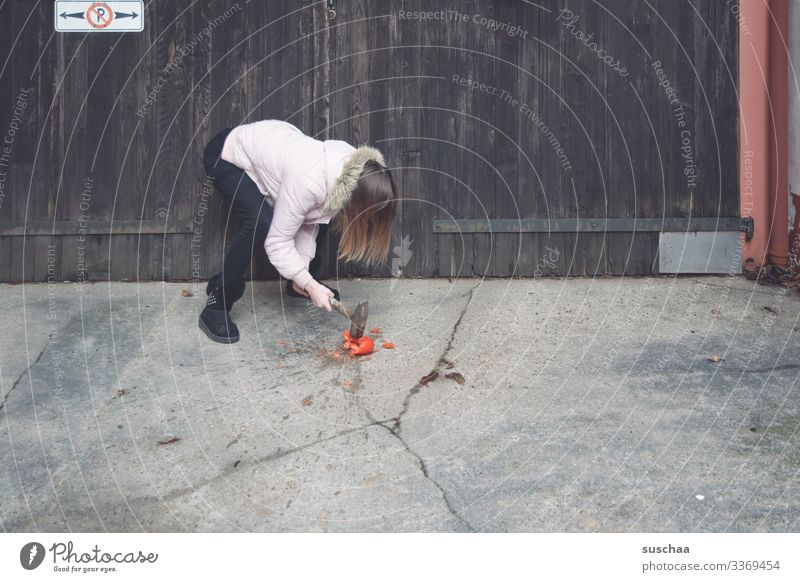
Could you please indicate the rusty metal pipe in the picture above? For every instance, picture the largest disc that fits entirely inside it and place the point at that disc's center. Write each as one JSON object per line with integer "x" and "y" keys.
{"x": 754, "y": 126}
{"x": 778, "y": 250}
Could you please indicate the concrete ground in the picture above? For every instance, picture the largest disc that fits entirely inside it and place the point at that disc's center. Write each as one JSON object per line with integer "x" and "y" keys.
{"x": 587, "y": 405}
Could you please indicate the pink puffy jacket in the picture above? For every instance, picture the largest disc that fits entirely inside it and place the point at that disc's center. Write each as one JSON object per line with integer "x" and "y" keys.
{"x": 306, "y": 181}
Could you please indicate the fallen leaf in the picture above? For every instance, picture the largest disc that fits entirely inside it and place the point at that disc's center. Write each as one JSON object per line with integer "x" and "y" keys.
{"x": 307, "y": 401}
{"x": 376, "y": 330}
{"x": 715, "y": 358}
{"x": 388, "y": 346}
{"x": 122, "y": 392}
{"x": 455, "y": 376}
{"x": 715, "y": 311}
{"x": 447, "y": 363}
{"x": 429, "y": 378}
{"x": 169, "y": 441}
{"x": 187, "y": 293}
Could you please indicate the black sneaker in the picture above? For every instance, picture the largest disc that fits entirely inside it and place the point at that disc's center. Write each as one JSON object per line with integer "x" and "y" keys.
{"x": 218, "y": 326}
{"x": 215, "y": 320}
{"x": 292, "y": 293}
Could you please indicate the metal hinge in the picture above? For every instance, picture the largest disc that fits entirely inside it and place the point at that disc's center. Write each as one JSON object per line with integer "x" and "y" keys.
{"x": 748, "y": 227}
{"x": 331, "y": 9}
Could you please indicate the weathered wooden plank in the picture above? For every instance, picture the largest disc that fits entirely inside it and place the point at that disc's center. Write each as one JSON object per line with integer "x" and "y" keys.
{"x": 17, "y": 270}
{"x": 468, "y": 152}
{"x": 320, "y": 107}
{"x": 633, "y": 160}
{"x": 21, "y": 194}
{"x": 16, "y": 166}
{"x": 530, "y": 186}
{"x": 401, "y": 139}
{"x": 586, "y": 78}
{"x": 505, "y": 155}
{"x": 348, "y": 70}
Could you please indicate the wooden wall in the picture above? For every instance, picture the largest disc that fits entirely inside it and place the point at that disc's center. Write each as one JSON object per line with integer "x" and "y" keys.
{"x": 113, "y": 127}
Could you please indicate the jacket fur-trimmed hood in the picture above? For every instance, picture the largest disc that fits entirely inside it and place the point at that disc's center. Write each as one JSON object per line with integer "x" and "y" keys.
{"x": 345, "y": 184}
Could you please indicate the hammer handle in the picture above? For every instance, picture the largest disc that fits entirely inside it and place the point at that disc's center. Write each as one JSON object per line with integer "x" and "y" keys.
{"x": 341, "y": 308}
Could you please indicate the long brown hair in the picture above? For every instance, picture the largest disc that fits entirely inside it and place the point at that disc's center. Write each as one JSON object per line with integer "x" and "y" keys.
{"x": 365, "y": 223}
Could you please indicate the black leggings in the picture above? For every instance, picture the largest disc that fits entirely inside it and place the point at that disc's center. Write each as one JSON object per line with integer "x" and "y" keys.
{"x": 251, "y": 205}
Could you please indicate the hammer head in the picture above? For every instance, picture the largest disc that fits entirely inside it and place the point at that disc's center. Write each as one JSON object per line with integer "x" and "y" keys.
{"x": 358, "y": 320}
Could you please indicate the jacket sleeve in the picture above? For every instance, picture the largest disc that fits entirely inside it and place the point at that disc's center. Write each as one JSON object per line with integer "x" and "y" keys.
{"x": 290, "y": 243}
{"x": 305, "y": 241}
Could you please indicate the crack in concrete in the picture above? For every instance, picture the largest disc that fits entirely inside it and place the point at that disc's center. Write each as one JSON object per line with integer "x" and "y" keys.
{"x": 439, "y": 362}
{"x": 392, "y": 425}
{"x": 425, "y": 473}
{"x": 394, "y": 429}
{"x": 24, "y": 372}
{"x": 239, "y": 465}
{"x": 765, "y": 370}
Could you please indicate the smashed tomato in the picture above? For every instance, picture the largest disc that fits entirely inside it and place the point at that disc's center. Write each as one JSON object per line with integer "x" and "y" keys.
{"x": 347, "y": 339}
{"x": 362, "y": 346}
{"x": 358, "y": 347}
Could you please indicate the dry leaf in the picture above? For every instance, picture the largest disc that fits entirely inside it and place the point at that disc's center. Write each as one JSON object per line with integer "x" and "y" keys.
{"x": 187, "y": 293}
{"x": 715, "y": 358}
{"x": 455, "y": 376}
{"x": 169, "y": 441}
{"x": 715, "y": 311}
{"x": 307, "y": 401}
{"x": 122, "y": 392}
{"x": 429, "y": 378}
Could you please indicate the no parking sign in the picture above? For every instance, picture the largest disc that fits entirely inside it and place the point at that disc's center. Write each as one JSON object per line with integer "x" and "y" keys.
{"x": 109, "y": 16}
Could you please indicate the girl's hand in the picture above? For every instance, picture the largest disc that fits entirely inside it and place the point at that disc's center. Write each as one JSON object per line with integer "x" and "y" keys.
{"x": 320, "y": 294}
{"x": 298, "y": 289}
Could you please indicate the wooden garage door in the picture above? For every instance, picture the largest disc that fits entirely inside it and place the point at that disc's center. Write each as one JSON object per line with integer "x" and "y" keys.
{"x": 516, "y": 129}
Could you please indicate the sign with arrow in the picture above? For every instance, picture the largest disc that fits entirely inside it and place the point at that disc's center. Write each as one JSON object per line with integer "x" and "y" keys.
{"x": 109, "y": 16}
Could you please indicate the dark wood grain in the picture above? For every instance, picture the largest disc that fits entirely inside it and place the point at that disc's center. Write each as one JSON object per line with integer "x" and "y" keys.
{"x": 373, "y": 77}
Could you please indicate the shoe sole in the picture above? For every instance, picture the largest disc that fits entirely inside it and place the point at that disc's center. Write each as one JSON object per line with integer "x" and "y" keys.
{"x": 295, "y": 295}
{"x": 220, "y": 339}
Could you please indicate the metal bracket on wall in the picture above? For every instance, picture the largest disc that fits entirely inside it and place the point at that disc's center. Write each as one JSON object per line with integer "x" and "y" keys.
{"x": 748, "y": 226}
{"x": 331, "y": 9}
{"x": 497, "y": 225}
{"x": 94, "y": 227}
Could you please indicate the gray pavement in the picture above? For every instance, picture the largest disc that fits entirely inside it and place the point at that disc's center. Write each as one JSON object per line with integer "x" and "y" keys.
{"x": 588, "y": 405}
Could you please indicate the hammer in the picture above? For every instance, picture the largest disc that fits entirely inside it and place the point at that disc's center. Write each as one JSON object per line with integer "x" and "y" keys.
{"x": 357, "y": 316}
